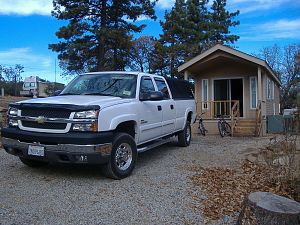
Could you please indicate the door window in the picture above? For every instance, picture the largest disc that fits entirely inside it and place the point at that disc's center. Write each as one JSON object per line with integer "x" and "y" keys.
{"x": 161, "y": 86}
{"x": 146, "y": 85}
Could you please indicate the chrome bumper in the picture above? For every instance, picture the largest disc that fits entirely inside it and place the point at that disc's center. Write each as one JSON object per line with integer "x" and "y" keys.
{"x": 105, "y": 149}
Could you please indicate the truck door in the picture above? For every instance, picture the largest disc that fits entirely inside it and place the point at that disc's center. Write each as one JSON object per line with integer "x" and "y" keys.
{"x": 150, "y": 113}
{"x": 168, "y": 107}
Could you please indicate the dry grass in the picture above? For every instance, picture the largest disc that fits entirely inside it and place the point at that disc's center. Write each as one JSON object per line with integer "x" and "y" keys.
{"x": 225, "y": 188}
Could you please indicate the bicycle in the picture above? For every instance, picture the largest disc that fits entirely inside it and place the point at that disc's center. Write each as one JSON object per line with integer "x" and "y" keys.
{"x": 223, "y": 127}
{"x": 201, "y": 125}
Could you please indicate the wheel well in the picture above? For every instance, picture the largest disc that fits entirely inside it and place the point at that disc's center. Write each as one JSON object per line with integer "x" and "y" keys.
{"x": 127, "y": 127}
{"x": 189, "y": 117}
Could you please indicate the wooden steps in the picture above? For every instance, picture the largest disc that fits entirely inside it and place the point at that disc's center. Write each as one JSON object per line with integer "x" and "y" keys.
{"x": 245, "y": 128}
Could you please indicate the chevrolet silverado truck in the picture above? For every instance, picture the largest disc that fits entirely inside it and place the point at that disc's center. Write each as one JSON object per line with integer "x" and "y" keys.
{"x": 104, "y": 118}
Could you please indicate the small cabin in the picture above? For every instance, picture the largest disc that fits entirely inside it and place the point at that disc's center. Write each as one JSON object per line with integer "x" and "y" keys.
{"x": 230, "y": 83}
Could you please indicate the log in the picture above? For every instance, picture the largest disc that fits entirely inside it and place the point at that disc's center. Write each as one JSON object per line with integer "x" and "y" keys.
{"x": 264, "y": 208}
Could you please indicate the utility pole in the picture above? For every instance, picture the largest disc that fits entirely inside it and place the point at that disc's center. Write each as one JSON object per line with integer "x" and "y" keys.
{"x": 54, "y": 76}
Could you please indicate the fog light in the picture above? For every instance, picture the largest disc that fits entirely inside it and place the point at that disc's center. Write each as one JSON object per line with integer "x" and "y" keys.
{"x": 13, "y": 123}
{"x": 85, "y": 127}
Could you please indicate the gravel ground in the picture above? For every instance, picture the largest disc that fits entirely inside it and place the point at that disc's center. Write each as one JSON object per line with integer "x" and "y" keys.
{"x": 158, "y": 191}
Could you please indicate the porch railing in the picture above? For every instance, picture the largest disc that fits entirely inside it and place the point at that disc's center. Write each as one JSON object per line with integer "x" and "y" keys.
{"x": 212, "y": 109}
{"x": 229, "y": 109}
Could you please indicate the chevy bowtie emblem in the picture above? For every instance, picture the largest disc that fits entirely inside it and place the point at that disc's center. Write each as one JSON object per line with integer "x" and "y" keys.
{"x": 41, "y": 119}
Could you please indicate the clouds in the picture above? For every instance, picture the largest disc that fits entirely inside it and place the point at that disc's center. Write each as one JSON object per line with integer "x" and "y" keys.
{"x": 249, "y": 6}
{"x": 26, "y": 7}
{"x": 165, "y": 4}
{"x": 25, "y": 57}
{"x": 272, "y": 30}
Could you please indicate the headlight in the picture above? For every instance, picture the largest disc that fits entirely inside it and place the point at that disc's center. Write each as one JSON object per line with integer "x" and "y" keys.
{"x": 12, "y": 111}
{"x": 91, "y": 114}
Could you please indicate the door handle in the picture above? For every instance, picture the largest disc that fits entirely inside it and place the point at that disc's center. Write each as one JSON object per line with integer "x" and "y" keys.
{"x": 172, "y": 107}
{"x": 159, "y": 107}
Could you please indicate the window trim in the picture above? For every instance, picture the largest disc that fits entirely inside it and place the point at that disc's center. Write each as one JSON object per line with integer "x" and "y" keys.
{"x": 250, "y": 84}
{"x": 270, "y": 92}
{"x": 204, "y": 101}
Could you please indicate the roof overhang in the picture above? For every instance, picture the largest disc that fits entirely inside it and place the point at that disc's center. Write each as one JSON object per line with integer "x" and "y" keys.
{"x": 230, "y": 51}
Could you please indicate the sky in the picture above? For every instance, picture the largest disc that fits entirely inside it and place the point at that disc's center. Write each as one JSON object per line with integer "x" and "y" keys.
{"x": 27, "y": 28}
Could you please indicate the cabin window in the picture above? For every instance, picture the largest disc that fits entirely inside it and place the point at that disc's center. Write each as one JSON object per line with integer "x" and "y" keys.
{"x": 253, "y": 93}
{"x": 270, "y": 89}
{"x": 205, "y": 94}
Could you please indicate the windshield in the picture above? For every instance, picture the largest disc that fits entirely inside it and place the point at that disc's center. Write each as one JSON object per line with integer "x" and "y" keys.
{"x": 118, "y": 85}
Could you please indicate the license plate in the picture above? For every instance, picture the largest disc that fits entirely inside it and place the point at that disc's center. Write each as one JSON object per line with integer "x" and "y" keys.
{"x": 36, "y": 150}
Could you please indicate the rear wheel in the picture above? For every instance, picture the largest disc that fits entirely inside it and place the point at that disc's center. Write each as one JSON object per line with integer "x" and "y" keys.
{"x": 227, "y": 128}
{"x": 123, "y": 157}
{"x": 185, "y": 136}
{"x": 33, "y": 163}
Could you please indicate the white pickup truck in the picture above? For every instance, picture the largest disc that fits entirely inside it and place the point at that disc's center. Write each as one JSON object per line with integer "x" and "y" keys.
{"x": 102, "y": 118}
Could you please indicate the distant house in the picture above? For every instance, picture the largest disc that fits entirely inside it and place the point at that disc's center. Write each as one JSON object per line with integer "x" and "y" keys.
{"x": 35, "y": 86}
{"x": 242, "y": 88}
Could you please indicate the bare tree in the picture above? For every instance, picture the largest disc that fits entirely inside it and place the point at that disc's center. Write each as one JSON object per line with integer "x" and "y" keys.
{"x": 13, "y": 74}
{"x": 141, "y": 54}
{"x": 285, "y": 63}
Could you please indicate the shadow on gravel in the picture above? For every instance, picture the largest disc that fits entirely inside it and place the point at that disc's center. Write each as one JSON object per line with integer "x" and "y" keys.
{"x": 57, "y": 171}
{"x": 156, "y": 155}
{"x": 67, "y": 171}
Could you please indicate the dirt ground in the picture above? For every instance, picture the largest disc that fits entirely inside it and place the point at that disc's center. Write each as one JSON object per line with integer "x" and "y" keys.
{"x": 4, "y": 101}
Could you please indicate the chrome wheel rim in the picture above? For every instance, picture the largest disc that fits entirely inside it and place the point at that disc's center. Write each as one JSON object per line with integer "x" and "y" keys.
{"x": 123, "y": 157}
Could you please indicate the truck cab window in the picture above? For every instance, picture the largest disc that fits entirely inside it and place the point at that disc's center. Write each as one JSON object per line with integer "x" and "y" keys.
{"x": 146, "y": 85}
{"x": 161, "y": 85}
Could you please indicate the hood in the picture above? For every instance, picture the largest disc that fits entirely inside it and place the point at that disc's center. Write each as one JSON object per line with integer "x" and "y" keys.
{"x": 80, "y": 100}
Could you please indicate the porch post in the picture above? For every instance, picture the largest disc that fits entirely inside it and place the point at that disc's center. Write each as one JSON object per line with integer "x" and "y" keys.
{"x": 186, "y": 75}
{"x": 259, "y": 84}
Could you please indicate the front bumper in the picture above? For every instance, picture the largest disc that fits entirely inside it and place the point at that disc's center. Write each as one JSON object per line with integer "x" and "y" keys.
{"x": 76, "y": 149}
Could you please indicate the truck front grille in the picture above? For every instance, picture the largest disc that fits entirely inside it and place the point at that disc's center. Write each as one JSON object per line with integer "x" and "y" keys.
{"x": 48, "y": 113}
{"x": 51, "y": 126}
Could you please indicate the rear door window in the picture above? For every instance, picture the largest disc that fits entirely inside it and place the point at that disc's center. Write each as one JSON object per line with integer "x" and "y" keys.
{"x": 162, "y": 86}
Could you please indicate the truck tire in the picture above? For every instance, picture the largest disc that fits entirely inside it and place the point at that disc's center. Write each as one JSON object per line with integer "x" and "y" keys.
{"x": 33, "y": 163}
{"x": 123, "y": 157}
{"x": 185, "y": 136}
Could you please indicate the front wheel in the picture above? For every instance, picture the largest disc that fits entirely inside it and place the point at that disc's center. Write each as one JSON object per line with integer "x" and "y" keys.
{"x": 202, "y": 128}
{"x": 123, "y": 157}
{"x": 221, "y": 128}
{"x": 185, "y": 136}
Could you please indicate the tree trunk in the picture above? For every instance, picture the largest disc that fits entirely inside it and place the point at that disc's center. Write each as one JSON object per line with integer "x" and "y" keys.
{"x": 101, "y": 50}
{"x": 264, "y": 208}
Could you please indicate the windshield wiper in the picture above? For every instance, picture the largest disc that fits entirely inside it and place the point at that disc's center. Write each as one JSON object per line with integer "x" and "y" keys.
{"x": 68, "y": 94}
{"x": 97, "y": 93}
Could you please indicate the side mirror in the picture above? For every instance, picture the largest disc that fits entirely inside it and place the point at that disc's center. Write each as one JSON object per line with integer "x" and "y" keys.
{"x": 151, "y": 96}
{"x": 57, "y": 92}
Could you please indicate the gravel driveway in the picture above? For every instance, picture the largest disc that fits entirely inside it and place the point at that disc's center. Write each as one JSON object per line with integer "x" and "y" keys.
{"x": 158, "y": 191}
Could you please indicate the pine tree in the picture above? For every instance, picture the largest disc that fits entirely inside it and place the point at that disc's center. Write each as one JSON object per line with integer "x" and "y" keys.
{"x": 174, "y": 35}
{"x": 220, "y": 22}
{"x": 99, "y": 33}
{"x": 197, "y": 27}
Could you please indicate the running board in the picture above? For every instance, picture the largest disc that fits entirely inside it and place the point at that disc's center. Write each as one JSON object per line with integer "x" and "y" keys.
{"x": 153, "y": 144}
